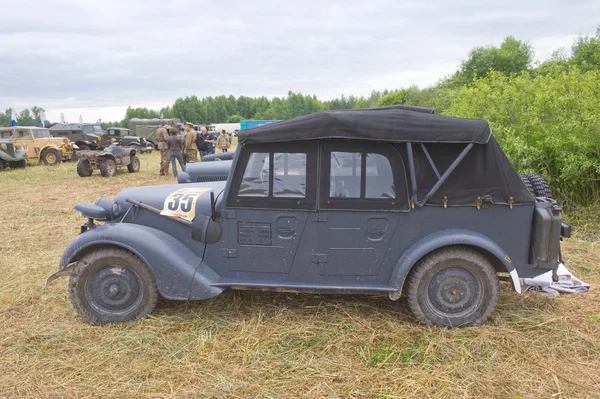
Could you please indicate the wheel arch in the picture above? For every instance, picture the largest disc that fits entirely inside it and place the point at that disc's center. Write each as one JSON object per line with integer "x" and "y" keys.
{"x": 452, "y": 238}
{"x": 179, "y": 273}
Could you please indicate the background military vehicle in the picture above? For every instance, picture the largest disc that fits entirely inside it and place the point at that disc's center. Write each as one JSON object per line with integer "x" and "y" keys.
{"x": 39, "y": 144}
{"x": 392, "y": 201}
{"x": 87, "y": 136}
{"x": 125, "y": 137}
{"x": 146, "y": 128}
{"x": 10, "y": 156}
{"x": 107, "y": 161}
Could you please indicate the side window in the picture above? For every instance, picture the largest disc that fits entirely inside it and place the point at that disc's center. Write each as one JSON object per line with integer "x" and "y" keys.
{"x": 276, "y": 176}
{"x": 22, "y": 134}
{"x": 255, "y": 182}
{"x": 289, "y": 175}
{"x": 345, "y": 174}
{"x": 379, "y": 178}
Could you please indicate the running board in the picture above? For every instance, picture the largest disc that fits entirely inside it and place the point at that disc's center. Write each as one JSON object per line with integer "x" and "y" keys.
{"x": 290, "y": 287}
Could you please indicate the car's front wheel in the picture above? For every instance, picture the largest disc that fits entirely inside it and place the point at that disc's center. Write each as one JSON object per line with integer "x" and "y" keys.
{"x": 108, "y": 168}
{"x": 51, "y": 156}
{"x": 134, "y": 164}
{"x": 453, "y": 287}
{"x": 112, "y": 285}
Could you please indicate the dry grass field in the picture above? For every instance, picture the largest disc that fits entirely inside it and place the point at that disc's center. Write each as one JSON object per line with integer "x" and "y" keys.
{"x": 267, "y": 345}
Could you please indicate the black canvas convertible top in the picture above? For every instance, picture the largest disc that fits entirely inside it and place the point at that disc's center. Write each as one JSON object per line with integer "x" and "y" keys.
{"x": 396, "y": 124}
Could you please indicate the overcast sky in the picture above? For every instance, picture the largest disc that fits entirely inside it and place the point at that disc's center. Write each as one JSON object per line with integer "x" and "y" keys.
{"x": 97, "y": 57}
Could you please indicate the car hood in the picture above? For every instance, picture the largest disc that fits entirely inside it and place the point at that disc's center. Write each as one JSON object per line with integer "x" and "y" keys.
{"x": 157, "y": 196}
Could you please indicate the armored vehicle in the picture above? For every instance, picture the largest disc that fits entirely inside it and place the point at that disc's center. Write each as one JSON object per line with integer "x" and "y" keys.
{"x": 87, "y": 136}
{"x": 124, "y": 137}
{"x": 107, "y": 161}
{"x": 146, "y": 128}
{"x": 390, "y": 201}
{"x": 10, "y": 156}
{"x": 39, "y": 144}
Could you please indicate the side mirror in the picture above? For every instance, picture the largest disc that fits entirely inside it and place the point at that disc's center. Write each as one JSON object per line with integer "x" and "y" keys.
{"x": 206, "y": 230}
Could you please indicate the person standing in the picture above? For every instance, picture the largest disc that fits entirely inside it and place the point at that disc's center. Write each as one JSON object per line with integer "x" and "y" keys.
{"x": 191, "y": 149}
{"x": 209, "y": 140}
{"x": 174, "y": 148}
{"x": 223, "y": 141}
{"x": 162, "y": 136}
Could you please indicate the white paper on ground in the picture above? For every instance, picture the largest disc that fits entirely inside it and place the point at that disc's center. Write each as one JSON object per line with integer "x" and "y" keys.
{"x": 567, "y": 283}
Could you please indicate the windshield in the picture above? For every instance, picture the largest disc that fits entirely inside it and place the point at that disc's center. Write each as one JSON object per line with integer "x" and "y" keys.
{"x": 96, "y": 129}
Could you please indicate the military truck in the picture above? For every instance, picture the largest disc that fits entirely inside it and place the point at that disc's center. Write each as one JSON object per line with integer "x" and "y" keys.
{"x": 393, "y": 201}
{"x": 146, "y": 128}
{"x": 87, "y": 136}
{"x": 11, "y": 156}
{"x": 39, "y": 144}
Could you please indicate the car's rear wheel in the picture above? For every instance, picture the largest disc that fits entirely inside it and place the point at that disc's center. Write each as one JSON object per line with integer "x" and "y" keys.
{"x": 134, "y": 165}
{"x": 108, "y": 168}
{"x": 453, "y": 287}
{"x": 51, "y": 156}
{"x": 112, "y": 285}
{"x": 84, "y": 169}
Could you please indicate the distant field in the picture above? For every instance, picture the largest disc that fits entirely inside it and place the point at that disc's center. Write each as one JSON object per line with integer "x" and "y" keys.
{"x": 267, "y": 345}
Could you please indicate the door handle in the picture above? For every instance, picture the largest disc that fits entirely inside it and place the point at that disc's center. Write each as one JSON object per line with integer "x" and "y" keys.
{"x": 285, "y": 231}
{"x": 376, "y": 232}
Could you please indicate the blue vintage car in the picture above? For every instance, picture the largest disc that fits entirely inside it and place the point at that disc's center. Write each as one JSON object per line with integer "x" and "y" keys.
{"x": 395, "y": 201}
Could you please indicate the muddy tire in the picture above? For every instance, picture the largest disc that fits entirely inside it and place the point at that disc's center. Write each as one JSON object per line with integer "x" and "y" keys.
{"x": 112, "y": 285}
{"x": 108, "y": 168}
{"x": 51, "y": 157}
{"x": 453, "y": 287}
{"x": 22, "y": 164}
{"x": 134, "y": 165}
{"x": 84, "y": 169}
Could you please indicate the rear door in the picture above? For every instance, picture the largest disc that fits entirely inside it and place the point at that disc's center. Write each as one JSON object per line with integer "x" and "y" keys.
{"x": 362, "y": 194}
{"x": 273, "y": 196}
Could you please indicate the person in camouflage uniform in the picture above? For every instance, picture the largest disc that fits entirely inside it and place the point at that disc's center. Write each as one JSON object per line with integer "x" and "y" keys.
{"x": 162, "y": 136}
{"x": 223, "y": 141}
{"x": 191, "y": 149}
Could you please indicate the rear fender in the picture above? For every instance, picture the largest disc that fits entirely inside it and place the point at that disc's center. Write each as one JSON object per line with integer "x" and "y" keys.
{"x": 178, "y": 271}
{"x": 447, "y": 238}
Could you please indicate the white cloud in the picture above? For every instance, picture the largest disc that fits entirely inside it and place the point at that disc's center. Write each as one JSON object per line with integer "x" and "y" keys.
{"x": 96, "y": 58}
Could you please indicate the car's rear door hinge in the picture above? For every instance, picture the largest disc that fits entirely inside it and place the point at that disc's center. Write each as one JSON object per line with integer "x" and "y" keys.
{"x": 229, "y": 253}
{"x": 318, "y": 258}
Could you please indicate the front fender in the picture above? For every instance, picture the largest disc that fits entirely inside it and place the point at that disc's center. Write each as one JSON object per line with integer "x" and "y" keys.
{"x": 447, "y": 238}
{"x": 175, "y": 267}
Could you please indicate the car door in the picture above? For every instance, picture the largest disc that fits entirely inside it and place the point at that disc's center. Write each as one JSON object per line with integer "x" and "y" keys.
{"x": 362, "y": 193}
{"x": 273, "y": 196}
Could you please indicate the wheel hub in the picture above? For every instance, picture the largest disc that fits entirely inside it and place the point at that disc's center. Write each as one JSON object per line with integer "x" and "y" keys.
{"x": 114, "y": 289}
{"x": 454, "y": 290}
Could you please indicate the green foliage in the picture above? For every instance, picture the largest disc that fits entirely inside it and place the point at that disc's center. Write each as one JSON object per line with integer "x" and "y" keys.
{"x": 586, "y": 52}
{"x": 546, "y": 124}
{"x": 235, "y": 119}
{"x": 513, "y": 56}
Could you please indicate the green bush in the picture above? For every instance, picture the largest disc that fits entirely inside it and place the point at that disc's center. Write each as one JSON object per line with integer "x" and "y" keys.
{"x": 548, "y": 124}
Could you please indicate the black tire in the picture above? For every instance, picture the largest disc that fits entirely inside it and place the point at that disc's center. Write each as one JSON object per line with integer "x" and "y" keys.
{"x": 51, "y": 157}
{"x": 84, "y": 147}
{"x": 540, "y": 186}
{"x": 525, "y": 180}
{"x": 21, "y": 164}
{"x": 453, "y": 287}
{"x": 112, "y": 285}
{"x": 134, "y": 165}
{"x": 108, "y": 168}
{"x": 84, "y": 169}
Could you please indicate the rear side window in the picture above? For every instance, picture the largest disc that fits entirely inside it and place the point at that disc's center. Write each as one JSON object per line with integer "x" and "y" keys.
{"x": 345, "y": 175}
{"x": 379, "y": 181}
